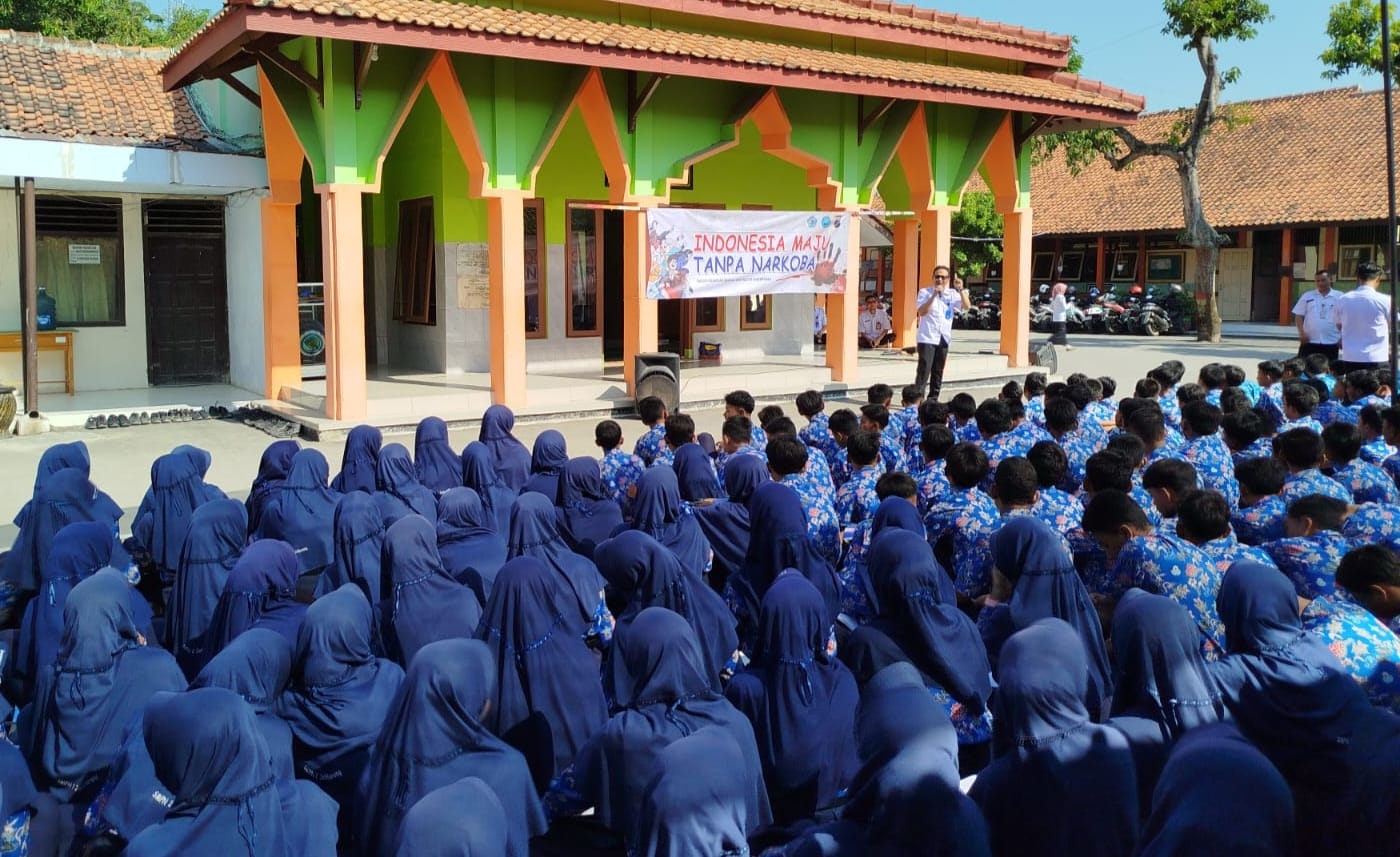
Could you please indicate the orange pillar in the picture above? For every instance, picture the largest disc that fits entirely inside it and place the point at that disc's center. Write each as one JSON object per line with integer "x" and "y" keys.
{"x": 342, "y": 250}
{"x": 638, "y": 310}
{"x": 935, "y": 242}
{"x": 842, "y": 345}
{"x": 506, "y": 240}
{"x": 1100, "y": 261}
{"x": 905, "y": 284}
{"x": 1329, "y": 249}
{"x": 1015, "y": 287}
{"x": 281, "y": 328}
{"x": 1285, "y": 280}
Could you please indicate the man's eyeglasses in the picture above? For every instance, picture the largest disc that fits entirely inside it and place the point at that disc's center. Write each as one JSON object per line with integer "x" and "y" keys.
{"x": 939, "y": 278}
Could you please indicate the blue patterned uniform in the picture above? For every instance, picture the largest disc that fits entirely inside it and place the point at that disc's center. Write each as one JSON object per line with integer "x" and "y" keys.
{"x": 913, "y": 436}
{"x": 1214, "y": 467}
{"x": 1301, "y": 422}
{"x": 1391, "y": 466}
{"x": 966, "y": 433}
{"x": 891, "y": 455}
{"x": 1311, "y": 481}
{"x": 1171, "y": 409}
{"x": 665, "y": 457}
{"x": 757, "y": 436}
{"x": 1376, "y": 451}
{"x": 1368, "y": 650}
{"x": 1089, "y": 559}
{"x": 1366, "y": 482}
{"x": 823, "y": 527}
{"x": 933, "y": 485}
{"x": 857, "y": 500}
{"x": 1261, "y": 448}
{"x": 620, "y": 471}
{"x": 1227, "y": 550}
{"x": 970, "y": 517}
{"x": 1182, "y": 572}
{"x": 1035, "y": 410}
{"x": 650, "y": 444}
{"x": 726, "y": 457}
{"x": 1058, "y": 510}
{"x": 998, "y": 449}
{"x": 1374, "y": 523}
{"x": 840, "y": 468}
{"x": 1144, "y": 500}
{"x": 1213, "y": 397}
{"x": 1262, "y": 522}
{"x": 1272, "y": 401}
{"x": 1311, "y": 561}
{"x": 817, "y": 435}
{"x": 1032, "y": 432}
{"x": 1078, "y": 446}
{"x": 818, "y": 473}
{"x": 1252, "y": 391}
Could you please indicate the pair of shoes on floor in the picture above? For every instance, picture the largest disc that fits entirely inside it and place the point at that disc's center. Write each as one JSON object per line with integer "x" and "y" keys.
{"x": 217, "y": 412}
{"x": 102, "y": 421}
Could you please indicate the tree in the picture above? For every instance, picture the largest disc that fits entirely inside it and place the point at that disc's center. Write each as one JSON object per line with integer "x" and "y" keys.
{"x": 977, "y": 233}
{"x": 1354, "y": 26}
{"x": 118, "y": 22}
{"x": 1199, "y": 24}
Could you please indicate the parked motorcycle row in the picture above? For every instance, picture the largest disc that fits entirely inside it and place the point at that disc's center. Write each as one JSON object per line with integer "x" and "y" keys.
{"x": 1156, "y": 311}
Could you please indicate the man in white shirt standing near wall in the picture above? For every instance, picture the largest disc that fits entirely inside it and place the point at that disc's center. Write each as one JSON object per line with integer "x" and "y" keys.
{"x": 1316, "y": 317}
{"x": 1364, "y": 317}
{"x": 936, "y": 305}
{"x": 875, "y": 328}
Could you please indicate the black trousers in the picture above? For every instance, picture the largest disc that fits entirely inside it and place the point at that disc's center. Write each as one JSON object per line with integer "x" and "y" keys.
{"x": 1057, "y": 333}
{"x": 1341, "y": 367}
{"x": 1332, "y": 351}
{"x": 932, "y": 359}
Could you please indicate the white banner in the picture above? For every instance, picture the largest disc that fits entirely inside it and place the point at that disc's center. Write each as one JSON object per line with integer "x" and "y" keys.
{"x": 702, "y": 253}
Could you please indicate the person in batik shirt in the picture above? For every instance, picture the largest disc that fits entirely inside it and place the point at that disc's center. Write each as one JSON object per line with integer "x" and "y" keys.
{"x": 1300, "y": 400}
{"x": 1053, "y": 506}
{"x": 960, "y": 527}
{"x": 1248, "y": 434}
{"x": 1366, "y": 648}
{"x": 1370, "y": 574}
{"x": 932, "y": 481}
{"x": 1165, "y": 482}
{"x": 1261, "y": 513}
{"x": 1203, "y": 519}
{"x": 1313, "y": 544}
{"x": 856, "y": 500}
{"x": 1366, "y": 482}
{"x": 998, "y": 442}
{"x": 1300, "y": 450}
{"x": 1371, "y": 424}
{"x": 817, "y": 433}
{"x": 1200, "y": 423}
{"x": 787, "y": 462}
{"x": 736, "y": 437}
{"x": 876, "y": 418}
{"x": 843, "y": 423}
{"x": 1373, "y": 524}
{"x": 1062, "y": 421}
{"x": 619, "y": 468}
{"x": 653, "y": 413}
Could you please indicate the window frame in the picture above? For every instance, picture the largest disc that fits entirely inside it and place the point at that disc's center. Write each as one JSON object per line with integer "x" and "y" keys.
{"x": 1065, "y": 272}
{"x": 1346, "y": 267}
{"x": 541, "y": 270}
{"x": 115, "y": 203}
{"x": 1179, "y": 268}
{"x": 1129, "y": 274}
{"x": 405, "y": 308}
{"x": 1042, "y": 265}
{"x": 598, "y": 273}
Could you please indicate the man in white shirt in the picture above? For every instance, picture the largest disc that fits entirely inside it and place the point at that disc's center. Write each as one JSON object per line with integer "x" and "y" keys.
{"x": 819, "y": 324}
{"x": 875, "y": 327}
{"x": 1364, "y": 317}
{"x": 936, "y": 305}
{"x": 1316, "y": 317}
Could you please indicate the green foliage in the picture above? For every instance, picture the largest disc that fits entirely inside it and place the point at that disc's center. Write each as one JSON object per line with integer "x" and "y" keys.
{"x": 1221, "y": 20}
{"x": 120, "y": 22}
{"x": 1354, "y": 28}
{"x": 977, "y": 218}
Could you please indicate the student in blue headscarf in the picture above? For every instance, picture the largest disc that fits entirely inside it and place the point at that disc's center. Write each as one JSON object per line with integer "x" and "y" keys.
{"x": 205, "y": 746}
{"x": 857, "y": 595}
{"x": 59, "y": 456}
{"x": 303, "y": 512}
{"x": 725, "y": 524}
{"x": 663, "y": 696}
{"x": 339, "y": 696}
{"x": 1218, "y": 795}
{"x": 695, "y": 474}
{"x": 434, "y": 737}
{"x": 534, "y": 532}
{"x": 587, "y": 513}
{"x": 548, "y": 698}
{"x": 1064, "y": 785}
{"x": 104, "y": 673}
{"x": 1033, "y": 579}
{"x": 511, "y": 458}
{"x": 801, "y": 702}
{"x": 641, "y": 573}
{"x": 272, "y": 470}
{"x": 67, "y": 497}
{"x": 463, "y": 819}
{"x": 177, "y": 489}
{"x": 358, "y": 533}
{"x": 398, "y": 491}
{"x": 548, "y": 458}
{"x": 257, "y": 665}
{"x": 438, "y": 467}
{"x": 479, "y": 473}
{"x": 426, "y": 603}
{"x": 260, "y": 592}
{"x": 471, "y": 549}
{"x": 657, "y": 510}
{"x": 218, "y": 534}
{"x": 694, "y": 804}
{"x": 359, "y": 464}
{"x": 1291, "y": 697}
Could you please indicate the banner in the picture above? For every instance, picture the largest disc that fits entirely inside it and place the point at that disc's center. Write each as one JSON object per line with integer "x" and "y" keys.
{"x": 702, "y": 253}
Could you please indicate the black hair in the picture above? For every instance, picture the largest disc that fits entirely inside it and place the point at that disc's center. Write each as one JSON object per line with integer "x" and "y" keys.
{"x": 1363, "y": 381}
{"x": 993, "y": 418}
{"x": 1095, "y": 388}
{"x": 962, "y": 406}
{"x": 1342, "y": 442}
{"x": 843, "y": 421}
{"x": 1109, "y": 470}
{"x": 1241, "y": 429}
{"x": 1016, "y": 482}
{"x": 1175, "y": 369}
{"x": 896, "y": 484}
{"x": 965, "y": 465}
{"x": 1015, "y": 409}
{"x": 933, "y": 412}
{"x": 740, "y": 399}
{"x": 1109, "y": 385}
{"x": 1369, "y": 417}
{"x": 1202, "y": 418}
{"x": 1212, "y": 376}
{"x": 1188, "y": 393}
{"x": 607, "y": 435}
{"x": 1300, "y": 448}
{"x": 1111, "y": 509}
{"x": 738, "y": 429}
{"x": 1132, "y": 404}
{"x": 912, "y": 394}
{"x": 1130, "y": 446}
{"x": 1011, "y": 390}
{"x": 1076, "y": 378}
{"x": 1317, "y": 364}
{"x": 810, "y": 403}
{"x": 786, "y": 455}
{"x": 1234, "y": 399}
{"x": 1163, "y": 377}
{"x": 1327, "y": 513}
{"x": 1202, "y": 516}
{"x": 876, "y": 413}
{"x": 1061, "y": 415}
{"x": 768, "y": 413}
{"x": 1368, "y": 565}
{"x": 1391, "y": 417}
{"x": 936, "y": 441}
{"x": 1171, "y": 474}
{"x": 1262, "y": 476}
{"x": 1050, "y": 463}
{"x": 1080, "y": 394}
{"x": 1271, "y": 369}
{"x": 1301, "y": 397}
{"x": 879, "y": 394}
{"x": 1035, "y": 384}
{"x": 1295, "y": 367}
{"x": 1147, "y": 388}
{"x": 781, "y": 426}
{"x": 680, "y": 429}
{"x": 650, "y": 409}
{"x": 862, "y": 448}
{"x": 1055, "y": 388}
{"x": 1234, "y": 375}
{"x": 1147, "y": 424}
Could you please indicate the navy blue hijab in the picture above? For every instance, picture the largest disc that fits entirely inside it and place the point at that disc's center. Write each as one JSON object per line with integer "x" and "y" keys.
{"x": 534, "y": 532}
{"x": 587, "y": 513}
{"x": 546, "y": 461}
{"x": 433, "y": 738}
{"x": 479, "y": 473}
{"x": 460, "y": 820}
{"x": 695, "y": 473}
{"x": 272, "y": 470}
{"x": 726, "y": 523}
{"x": 1159, "y": 674}
{"x": 399, "y": 492}
{"x": 802, "y": 704}
{"x": 1064, "y": 785}
{"x": 218, "y": 534}
{"x": 302, "y": 513}
{"x": 260, "y": 591}
{"x": 896, "y": 513}
{"x": 472, "y": 550}
{"x": 359, "y": 548}
{"x": 206, "y": 747}
{"x": 694, "y": 804}
{"x": 511, "y": 458}
{"x": 439, "y": 469}
{"x": 359, "y": 464}
{"x": 177, "y": 490}
{"x": 657, "y": 510}
{"x": 427, "y": 604}
{"x": 1034, "y": 558}
{"x": 548, "y": 698}
{"x": 67, "y": 497}
{"x": 779, "y": 542}
{"x": 60, "y": 456}
{"x": 257, "y": 665}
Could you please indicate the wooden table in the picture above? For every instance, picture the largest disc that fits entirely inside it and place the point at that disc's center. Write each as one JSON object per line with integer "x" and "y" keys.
{"x": 49, "y": 340}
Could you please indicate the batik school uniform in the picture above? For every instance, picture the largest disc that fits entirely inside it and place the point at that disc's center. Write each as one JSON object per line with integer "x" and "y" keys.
{"x": 1262, "y": 522}
{"x": 1058, "y": 510}
{"x": 1311, "y": 561}
{"x": 857, "y": 500}
{"x": 817, "y": 435}
{"x": 1301, "y": 422}
{"x": 621, "y": 470}
{"x": 967, "y": 432}
{"x": 1374, "y": 523}
{"x": 1228, "y": 550}
{"x": 1367, "y": 649}
{"x": 1170, "y": 566}
{"x": 1311, "y": 481}
{"x": 1171, "y": 409}
{"x": 933, "y": 485}
{"x": 968, "y": 517}
{"x": 1261, "y": 448}
{"x": 1366, "y": 482}
{"x": 1035, "y": 410}
{"x": 650, "y": 444}
{"x": 840, "y": 468}
{"x": 999, "y": 448}
{"x": 1078, "y": 446}
{"x": 1376, "y": 451}
{"x": 1252, "y": 391}
{"x": 818, "y": 472}
{"x": 1271, "y": 399}
{"x": 726, "y": 457}
{"x": 1214, "y": 467}
{"x": 1030, "y": 431}
{"x": 823, "y": 527}
{"x": 891, "y": 454}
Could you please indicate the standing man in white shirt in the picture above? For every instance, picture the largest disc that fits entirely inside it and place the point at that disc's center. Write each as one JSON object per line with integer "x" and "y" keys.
{"x": 1364, "y": 317}
{"x": 1316, "y": 317}
{"x": 936, "y": 305}
{"x": 875, "y": 327}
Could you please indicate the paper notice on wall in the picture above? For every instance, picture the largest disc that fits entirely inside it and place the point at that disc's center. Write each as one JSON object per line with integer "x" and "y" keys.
{"x": 473, "y": 276}
{"x": 84, "y": 254}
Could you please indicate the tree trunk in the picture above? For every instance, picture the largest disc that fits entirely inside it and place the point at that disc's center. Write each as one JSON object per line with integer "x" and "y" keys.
{"x": 1201, "y": 237}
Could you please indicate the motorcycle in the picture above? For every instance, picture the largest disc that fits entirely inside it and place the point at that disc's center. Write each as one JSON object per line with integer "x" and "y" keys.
{"x": 1152, "y": 318}
{"x": 989, "y": 311}
{"x": 1095, "y": 314}
{"x": 1076, "y": 321}
{"x": 1117, "y": 314}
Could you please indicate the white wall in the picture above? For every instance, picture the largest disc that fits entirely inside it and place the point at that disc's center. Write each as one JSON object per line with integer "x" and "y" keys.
{"x": 243, "y": 248}
{"x": 9, "y": 263}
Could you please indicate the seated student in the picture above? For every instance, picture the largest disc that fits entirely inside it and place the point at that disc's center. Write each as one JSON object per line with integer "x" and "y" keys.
{"x": 855, "y": 585}
{"x": 1033, "y": 388}
{"x": 963, "y": 519}
{"x": 1016, "y": 490}
{"x": 1299, "y": 402}
{"x": 680, "y": 430}
{"x": 1055, "y": 507}
{"x": 931, "y": 413}
{"x": 1092, "y": 426}
{"x": 1108, "y": 389}
{"x": 1233, "y": 399}
{"x": 1200, "y": 423}
{"x": 1313, "y": 544}
{"x": 1373, "y": 523}
{"x": 1188, "y": 393}
{"x": 932, "y": 481}
{"x": 908, "y": 415}
{"x": 1203, "y": 519}
{"x": 653, "y": 414}
{"x": 787, "y": 461}
{"x": 1300, "y": 450}
{"x": 1062, "y": 422}
{"x": 1294, "y": 369}
{"x": 1390, "y": 433}
{"x": 1367, "y": 648}
{"x": 619, "y": 468}
{"x": 1212, "y": 379}
{"x": 736, "y": 438}
{"x": 817, "y": 432}
{"x": 843, "y": 424}
{"x": 1110, "y": 469}
{"x": 997, "y": 441}
{"x": 1146, "y": 388}
{"x": 883, "y": 395}
{"x": 1144, "y": 420}
{"x": 1165, "y": 482}
{"x": 876, "y": 419}
{"x": 1370, "y": 574}
{"x": 1319, "y": 368}
{"x": 816, "y": 472}
{"x": 1366, "y": 482}
{"x": 1022, "y": 427}
{"x": 1262, "y": 510}
{"x": 1168, "y": 375}
{"x": 856, "y": 500}
{"x": 1247, "y": 434}
{"x": 963, "y": 410}
{"x": 1270, "y": 380}
{"x": 740, "y": 404}
{"x": 1236, "y": 379}
{"x": 1101, "y": 404}
{"x": 1374, "y": 449}
{"x": 768, "y": 413}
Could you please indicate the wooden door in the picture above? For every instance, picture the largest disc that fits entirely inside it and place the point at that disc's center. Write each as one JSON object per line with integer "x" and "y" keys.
{"x": 1234, "y": 283}
{"x": 186, "y": 292}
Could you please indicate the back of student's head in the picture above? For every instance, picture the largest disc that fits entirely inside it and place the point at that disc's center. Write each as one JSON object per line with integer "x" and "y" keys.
{"x": 1363, "y": 382}
{"x": 1015, "y": 481}
{"x": 1299, "y": 448}
{"x": 1163, "y": 377}
{"x": 1095, "y": 387}
{"x": 1342, "y": 443}
{"x": 1112, "y": 509}
{"x": 1061, "y": 415}
{"x": 1175, "y": 369}
{"x": 1129, "y": 446}
{"x": 1015, "y": 409}
{"x": 1326, "y": 513}
{"x": 740, "y": 399}
{"x": 650, "y": 409}
{"x": 1108, "y": 470}
{"x": 1369, "y": 419}
{"x": 1317, "y": 364}
{"x": 680, "y": 429}
{"x": 781, "y": 426}
{"x": 1202, "y": 418}
{"x": 1188, "y": 393}
{"x": 1234, "y": 375}
{"x": 962, "y": 406}
{"x": 933, "y": 413}
{"x": 1294, "y": 367}
{"x": 607, "y": 434}
{"x": 1301, "y": 397}
{"x": 863, "y": 448}
{"x": 768, "y": 413}
{"x": 1241, "y": 429}
{"x": 810, "y": 403}
{"x": 1234, "y": 399}
{"x": 1035, "y": 384}
{"x": 935, "y": 442}
{"x": 1107, "y": 387}
{"x": 1148, "y": 424}
{"x": 1050, "y": 463}
{"x": 1010, "y": 390}
{"x": 965, "y": 465}
{"x": 738, "y": 429}
{"x": 1055, "y": 388}
{"x": 876, "y": 413}
{"x": 1147, "y": 388}
{"x": 1131, "y": 405}
{"x": 1367, "y": 566}
{"x": 1202, "y": 516}
{"x": 993, "y": 418}
{"x": 786, "y": 455}
{"x": 843, "y": 421}
{"x": 896, "y": 484}
{"x": 1212, "y": 376}
{"x": 1272, "y": 370}
{"x": 1261, "y": 477}
{"x": 912, "y": 394}
{"x": 879, "y": 394}
{"x": 1170, "y": 474}
{"x": 1080, "y": 394}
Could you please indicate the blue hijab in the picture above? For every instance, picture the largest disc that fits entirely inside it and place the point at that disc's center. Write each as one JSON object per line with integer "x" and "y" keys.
{"x": 359, "y": 548}
{"x": 177, "y": 490}
{"x": 642, "y": 573}
{"x": 472, "y": 550}
{"x": 548, "y": 698}
{"x": 510, "y": 457}
{"x": 1064, "y": 785}
{"x": 206, "y": 747}
{"x": 460, "y": 820}
{"x": 302, "y": 513}
{"x": 726, "y": 523}
{"x": 1159, "y": 674}
{"x": 399, "y": 492}
{"x": 896, "y": 513}
{"x": 60, "y": 456}
{"x": 359, "y": 464}
{"x": 432, "y": 738}
{"x": 546, "y": 461}
{"x": 695, "y": 473}
{"x": 1034, "y": 558}
{"x": 534, "y": 532}
{"x": 779, "y": 542}
{"x": 427, "y": 604}
{"x": 67, "y": 497}
{"x": 438, "y": 468}
{"x": 218, "y": 534}
{"x": 587, "y": 513}
{"x": 802, "y": 704}
{"x": 260, "y": 591}
{"x": 657, "y": 510}
{"x": 479, "y": 473}
{"x": 257, "y": 665}
{"x": 694, "y": 804}
{"x": 272, "y": 470}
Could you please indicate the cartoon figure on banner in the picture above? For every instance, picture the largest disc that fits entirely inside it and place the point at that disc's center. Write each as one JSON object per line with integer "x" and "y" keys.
{"x": 667, "y": 274}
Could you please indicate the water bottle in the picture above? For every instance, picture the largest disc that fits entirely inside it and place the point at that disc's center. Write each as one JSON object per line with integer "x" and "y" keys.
{"x": 47, "y": 317}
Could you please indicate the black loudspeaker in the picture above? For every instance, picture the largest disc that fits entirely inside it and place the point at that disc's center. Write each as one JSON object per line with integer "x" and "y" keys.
{"x": 659, "y": 374}
{"x": 1044, "y": 357}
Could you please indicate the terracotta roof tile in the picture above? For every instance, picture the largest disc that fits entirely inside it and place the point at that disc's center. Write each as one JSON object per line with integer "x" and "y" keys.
{"x": 1316, "y": 157}
{"x": 910, "y": 17}
{"x": 60, "y": 90}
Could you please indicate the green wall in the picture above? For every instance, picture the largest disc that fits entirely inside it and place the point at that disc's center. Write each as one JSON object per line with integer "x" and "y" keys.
{"x": 423, "y": 161}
